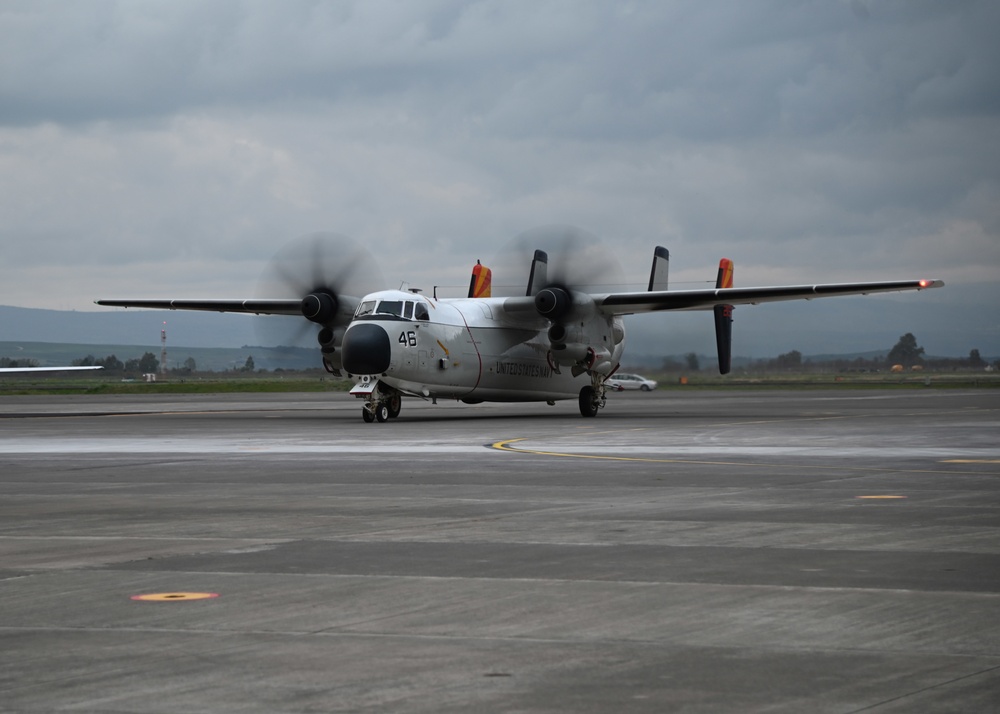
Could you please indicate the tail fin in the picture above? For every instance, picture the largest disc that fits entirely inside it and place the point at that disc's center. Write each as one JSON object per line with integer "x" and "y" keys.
{"x": 538, "y": 278}
{"x": 724, "y": 319}
{"x": 725, "y": 279}
{"x": 481, "y": 285}
{"x": 658, "y": 273}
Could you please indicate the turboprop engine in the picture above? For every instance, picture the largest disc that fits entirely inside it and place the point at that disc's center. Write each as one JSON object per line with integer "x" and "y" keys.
{"x": 328, "y": 273}
{"x": 579, "y": 336}
{"x": 569, "y": 345}
{"x": 569, "y": 348}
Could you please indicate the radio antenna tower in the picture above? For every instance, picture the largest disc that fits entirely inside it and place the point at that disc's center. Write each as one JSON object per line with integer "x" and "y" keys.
{"x": 163, "y": 349}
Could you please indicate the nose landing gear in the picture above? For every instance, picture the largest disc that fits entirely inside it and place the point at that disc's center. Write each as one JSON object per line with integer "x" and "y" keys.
{"x": 381, "y": 407}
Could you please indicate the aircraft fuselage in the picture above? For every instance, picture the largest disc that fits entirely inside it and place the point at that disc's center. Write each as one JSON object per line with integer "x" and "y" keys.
{"x": 468, "y": 349}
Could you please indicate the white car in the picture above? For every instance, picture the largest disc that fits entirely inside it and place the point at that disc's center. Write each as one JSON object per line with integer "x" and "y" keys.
{"x": 621, "y": 382}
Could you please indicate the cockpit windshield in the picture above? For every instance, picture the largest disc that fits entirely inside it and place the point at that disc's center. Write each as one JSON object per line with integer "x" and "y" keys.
{"x": 390, "y": 307}
{"x": 402, "y": 309}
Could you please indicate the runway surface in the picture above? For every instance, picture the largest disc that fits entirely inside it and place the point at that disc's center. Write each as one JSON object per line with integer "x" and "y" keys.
{"x": 685, "y": 551}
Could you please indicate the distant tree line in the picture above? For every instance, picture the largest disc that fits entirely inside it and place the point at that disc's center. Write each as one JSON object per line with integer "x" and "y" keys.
{"x": 906, "y": 353}
{"x": 18, "y": 363}
{"x": 147, "y": 364}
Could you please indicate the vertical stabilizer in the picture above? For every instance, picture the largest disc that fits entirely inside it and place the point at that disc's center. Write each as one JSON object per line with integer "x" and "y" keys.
{"x": 481, "y": 285}
{"x": 658, "y": 273}
{"x": 725, "y": 278}
{"x": 538, "y": 278}
{"x": 724, "y": 319}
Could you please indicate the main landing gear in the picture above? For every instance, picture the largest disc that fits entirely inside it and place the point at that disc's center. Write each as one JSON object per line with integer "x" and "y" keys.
{"x": 593, "y": 397}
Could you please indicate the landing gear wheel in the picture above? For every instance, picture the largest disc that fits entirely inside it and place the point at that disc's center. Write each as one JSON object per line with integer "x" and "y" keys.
{"x": 588, "y": 402}
{"x": 381, "y": 412}
{"x": 395, "y": 403}
{"x": 367, "y": 415}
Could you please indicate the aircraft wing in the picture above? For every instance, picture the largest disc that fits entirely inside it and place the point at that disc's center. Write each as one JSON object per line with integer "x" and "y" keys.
{"x": 629, "y": 303}
{"x": 254, "y": 307}
{"x": 47, "y": 369}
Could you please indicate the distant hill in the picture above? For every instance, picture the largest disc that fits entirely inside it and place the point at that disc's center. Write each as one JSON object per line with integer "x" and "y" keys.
{"x": 127, "y": 327}
{"x": 214, "y": 359}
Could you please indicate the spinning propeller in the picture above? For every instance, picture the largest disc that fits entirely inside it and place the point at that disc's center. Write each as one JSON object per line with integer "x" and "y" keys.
{"x": 561, "y": 256}
{"x": 568, "y": 267}
{"x": 329, "y": 273}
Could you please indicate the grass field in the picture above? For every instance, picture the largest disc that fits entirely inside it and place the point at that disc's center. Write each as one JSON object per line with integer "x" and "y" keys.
{"x": 68, "y": 383}
{"x": 315, "y": 381}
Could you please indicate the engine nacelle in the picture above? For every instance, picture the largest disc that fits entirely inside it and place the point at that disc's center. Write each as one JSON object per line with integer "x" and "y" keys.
{"x": 560, "y": 335}
{"x": 553, "y": 303}
{"x": 320, "y": 307}
{"x": 572, "y": 354}
{"x": 333, "y": 364}
{"x": 329, "y": 338}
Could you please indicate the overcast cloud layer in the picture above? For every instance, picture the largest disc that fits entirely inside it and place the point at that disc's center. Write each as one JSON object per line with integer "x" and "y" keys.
{"x": 168, "y": 149}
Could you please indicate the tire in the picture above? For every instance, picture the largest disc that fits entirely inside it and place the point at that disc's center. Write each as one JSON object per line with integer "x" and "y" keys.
{"x": 367, "y": 415}
{"x": 645, "y": 388}
{"x": 588, "y": 407}
{"x": 395, "y": 403}
{"x": 381, "y": 413}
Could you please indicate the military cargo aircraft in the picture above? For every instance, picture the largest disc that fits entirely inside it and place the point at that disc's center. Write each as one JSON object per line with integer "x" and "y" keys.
{"x": 554, "y": 341}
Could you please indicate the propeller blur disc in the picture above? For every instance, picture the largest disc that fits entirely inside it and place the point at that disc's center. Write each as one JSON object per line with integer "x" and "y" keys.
{"x": 577, "y": 260}
{"x": 325, "y": 263}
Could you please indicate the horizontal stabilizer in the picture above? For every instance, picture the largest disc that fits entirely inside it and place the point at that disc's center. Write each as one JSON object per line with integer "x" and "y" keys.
{"x": 631, "y": 303}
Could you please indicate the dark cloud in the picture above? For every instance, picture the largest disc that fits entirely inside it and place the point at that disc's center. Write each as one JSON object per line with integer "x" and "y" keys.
{"x": 836, "y": 139}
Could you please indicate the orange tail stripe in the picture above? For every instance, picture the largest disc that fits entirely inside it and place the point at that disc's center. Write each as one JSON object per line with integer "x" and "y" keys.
{"x": 482, "y": 278}
{"x": 725, "y": 279}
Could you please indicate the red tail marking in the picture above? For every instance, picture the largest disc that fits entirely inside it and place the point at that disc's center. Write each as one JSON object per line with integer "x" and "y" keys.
{"x": 481, "y": 285}
{"x": 725, "y": 279}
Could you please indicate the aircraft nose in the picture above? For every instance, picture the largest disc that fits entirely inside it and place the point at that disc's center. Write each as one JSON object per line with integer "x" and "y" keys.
{"x": 366, "y": 349}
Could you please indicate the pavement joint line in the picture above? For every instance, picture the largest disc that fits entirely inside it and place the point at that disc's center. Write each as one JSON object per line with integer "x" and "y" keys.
{"x": 967, "y": 594}
{"x": 922, "y": 690}
{"x": 668, "y": 643}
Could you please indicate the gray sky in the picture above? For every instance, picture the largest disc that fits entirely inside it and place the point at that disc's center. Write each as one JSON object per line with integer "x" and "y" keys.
{"x": 168, "y": 149}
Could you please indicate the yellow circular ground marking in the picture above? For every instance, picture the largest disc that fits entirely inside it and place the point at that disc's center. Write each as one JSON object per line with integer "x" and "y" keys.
{"x": 168, "y": 597}
{"x": 879, "y": 498}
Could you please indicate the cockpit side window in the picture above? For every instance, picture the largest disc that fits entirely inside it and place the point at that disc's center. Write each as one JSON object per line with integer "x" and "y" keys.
{"x": 420, "y": 311}
{"x": 408, "y": 310}
{"x": 365, "y": 308}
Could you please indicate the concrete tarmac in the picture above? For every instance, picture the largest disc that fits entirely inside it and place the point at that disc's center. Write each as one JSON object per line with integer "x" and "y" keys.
{"x": 685, "y": 551}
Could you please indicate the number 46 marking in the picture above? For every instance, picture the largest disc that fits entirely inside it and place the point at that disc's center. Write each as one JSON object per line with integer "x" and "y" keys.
{"x": 408, "y": 339}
